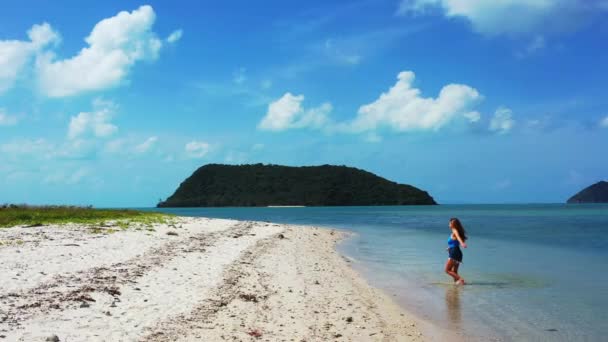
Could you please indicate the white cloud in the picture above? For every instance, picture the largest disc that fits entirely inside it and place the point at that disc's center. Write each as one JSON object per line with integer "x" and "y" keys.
{"x": 473, "y": 116}
{"x": 15, "y": 54}
{"x": 502, "y": 122}
{"x": 7, "y": 120}
{"x": 114, "y": 46}
{"x": 287, "y": 113}
{"x": 42, "y": 35}
{"x": 604, "y": 122}
{"x": 197, "y": 149}
{"x": 512, "y": 16}
{"x": 96, "y": 123}
{"x": 146, "y": 145}
{"x": 404, "y": 109}
{"x": 175, "y": 36}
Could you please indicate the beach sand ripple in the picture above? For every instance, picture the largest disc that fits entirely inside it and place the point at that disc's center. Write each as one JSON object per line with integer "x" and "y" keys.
{"x": 196, "y": 279}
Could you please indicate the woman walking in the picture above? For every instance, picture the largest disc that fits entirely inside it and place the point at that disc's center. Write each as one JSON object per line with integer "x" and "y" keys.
{"x": 457, "y": 239}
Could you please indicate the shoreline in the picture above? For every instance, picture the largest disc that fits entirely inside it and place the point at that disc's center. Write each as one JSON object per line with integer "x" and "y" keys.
{"x": 430, "y": 328}
{"x": 195, "y": 278}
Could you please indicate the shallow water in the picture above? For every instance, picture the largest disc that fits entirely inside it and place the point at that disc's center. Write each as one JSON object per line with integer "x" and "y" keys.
{"x": 535, "y": 272}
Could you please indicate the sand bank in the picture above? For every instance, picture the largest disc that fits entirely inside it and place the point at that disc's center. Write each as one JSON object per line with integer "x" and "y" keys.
{"x": 195, "y": 279}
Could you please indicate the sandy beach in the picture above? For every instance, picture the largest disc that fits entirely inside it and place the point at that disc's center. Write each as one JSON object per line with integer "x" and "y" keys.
{"x": 189, "y": 280}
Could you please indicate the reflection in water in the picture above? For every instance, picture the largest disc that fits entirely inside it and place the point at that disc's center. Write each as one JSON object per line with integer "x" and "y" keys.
{"x": 452, "y": 302}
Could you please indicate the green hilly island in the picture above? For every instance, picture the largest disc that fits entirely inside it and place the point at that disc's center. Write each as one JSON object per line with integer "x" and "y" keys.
{"x": 217, "y": 185}
{"x": 596, "y": 193}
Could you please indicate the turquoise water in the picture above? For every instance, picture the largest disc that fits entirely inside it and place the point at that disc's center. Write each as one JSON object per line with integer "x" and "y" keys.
{"x": 536, "y": 272}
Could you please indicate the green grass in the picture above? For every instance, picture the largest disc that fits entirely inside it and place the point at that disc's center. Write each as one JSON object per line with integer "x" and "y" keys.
{"x": 23, "y": 215}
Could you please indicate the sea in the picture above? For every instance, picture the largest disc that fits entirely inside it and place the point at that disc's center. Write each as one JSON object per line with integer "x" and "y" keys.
{"x": 534, "y": 272}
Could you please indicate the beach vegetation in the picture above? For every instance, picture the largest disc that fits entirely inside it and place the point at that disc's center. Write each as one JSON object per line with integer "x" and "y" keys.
{"x": 26, "y": 215}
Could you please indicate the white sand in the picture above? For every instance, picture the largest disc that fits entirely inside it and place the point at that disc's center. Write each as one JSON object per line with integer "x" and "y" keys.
{"x": 215, "y": 280}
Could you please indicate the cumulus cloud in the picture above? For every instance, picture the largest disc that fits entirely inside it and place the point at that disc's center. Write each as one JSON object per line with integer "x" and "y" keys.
{"x": 502, "y": 121}
{"x": 175, "y": 36}
{"x": 473, "y": 116}
{"x": 15, "y": 54}
{"x": 287, "y": 113}
{"x": 512, "y": 16}
{"x": 114, "y": 45}
{"x": 42, "y": 35}
{"x": 96, "y": 123}
{"x": 146, "y": 145}
{"x": 197, "y": 149}
{"x": 403, "y": 108}
{"x": 7, "y": 120}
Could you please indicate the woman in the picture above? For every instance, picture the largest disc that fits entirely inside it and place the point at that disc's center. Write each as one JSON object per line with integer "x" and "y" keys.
{"x": 457, "y": 238}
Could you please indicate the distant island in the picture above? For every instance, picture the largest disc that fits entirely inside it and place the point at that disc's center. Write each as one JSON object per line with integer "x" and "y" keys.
{"x": 217, "y": 185}
{"x": 596, "y": 193}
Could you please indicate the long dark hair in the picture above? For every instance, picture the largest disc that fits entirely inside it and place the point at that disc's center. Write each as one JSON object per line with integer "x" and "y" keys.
{"x": 459, "y": 228}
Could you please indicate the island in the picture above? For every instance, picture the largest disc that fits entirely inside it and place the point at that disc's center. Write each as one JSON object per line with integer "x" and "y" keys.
{"x": 596, "y": 193}
{"x": 256, "y": 185}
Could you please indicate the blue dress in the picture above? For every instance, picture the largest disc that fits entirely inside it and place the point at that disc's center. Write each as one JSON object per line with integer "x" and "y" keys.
{"x": 454, "y": 251}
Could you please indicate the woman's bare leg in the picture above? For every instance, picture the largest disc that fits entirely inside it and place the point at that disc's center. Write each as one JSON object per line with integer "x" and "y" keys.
{"x": 449, "y": 267}
{"x": 455, "y": 269}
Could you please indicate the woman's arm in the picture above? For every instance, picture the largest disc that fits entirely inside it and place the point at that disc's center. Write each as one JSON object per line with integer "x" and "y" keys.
{"x": 455, "y": 232}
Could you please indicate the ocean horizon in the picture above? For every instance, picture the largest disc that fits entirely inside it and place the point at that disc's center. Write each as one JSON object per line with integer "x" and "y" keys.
{"x": 523, "y": 263}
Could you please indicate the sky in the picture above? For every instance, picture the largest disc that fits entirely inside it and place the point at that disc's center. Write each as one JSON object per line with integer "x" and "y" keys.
{"x": 114, "y": 103}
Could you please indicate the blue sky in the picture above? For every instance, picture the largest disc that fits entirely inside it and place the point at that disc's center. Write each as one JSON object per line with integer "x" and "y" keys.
{"x": 115, "y": 103}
